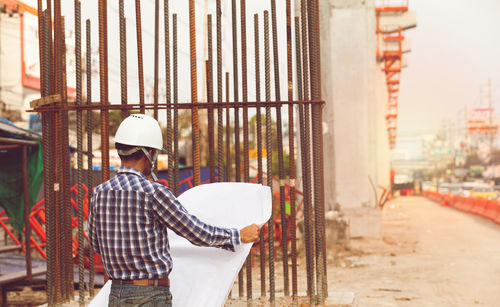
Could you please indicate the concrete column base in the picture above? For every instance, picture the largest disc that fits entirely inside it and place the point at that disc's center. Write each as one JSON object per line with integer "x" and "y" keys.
{"x": 341, "y": 299}
{"x": 364, "y": 222}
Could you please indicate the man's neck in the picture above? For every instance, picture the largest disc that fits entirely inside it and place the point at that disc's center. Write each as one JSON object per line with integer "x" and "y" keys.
{"x": 136, "y": 164}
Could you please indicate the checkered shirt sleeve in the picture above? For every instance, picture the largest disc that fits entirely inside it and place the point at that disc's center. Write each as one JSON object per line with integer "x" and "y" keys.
{"x": 176, "y": 217}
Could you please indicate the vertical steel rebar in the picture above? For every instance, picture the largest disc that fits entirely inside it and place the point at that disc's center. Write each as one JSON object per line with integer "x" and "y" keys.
{"x": 269, "y": 151}
{"x": 59, "y": 241}
{"x": 260, "y": 180}
{"x": 51, "y": 61}
{"x": 171, "y": 162}
{"x": 319, "y": 211}
{"x": 157, "y": 47}
{"x": 103, "y": 81}
{"x": 40, "y": 43}
{"x": 210, "y": 100}
{"x": 47, "y": 158}
{"x": 228, "y": 133}
{"x": 79, "y": 127}
{"x": 140, "y": 63}
{"x": 90, "y": 177}
{"x": 246, "y": 158}
{"x": 103, "y": 87}
{"x": 291, "y": 150}
{"x": 65, "y": 171}
{"x": 194, "y": 95}
{"x": 220, "y": 131}
{"x": 237, "y": 152}
{"x": 244, "y": 83}
{"x": 306, "y": 162}
{"x": 26, "y": 212}
{"x": 281, "y": 167}
{"x": 123, "y": 57}
{"x": 176, "y": 110}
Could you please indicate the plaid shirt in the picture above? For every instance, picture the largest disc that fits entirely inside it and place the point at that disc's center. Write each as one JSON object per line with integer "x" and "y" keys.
{"x": 128, "y": 221}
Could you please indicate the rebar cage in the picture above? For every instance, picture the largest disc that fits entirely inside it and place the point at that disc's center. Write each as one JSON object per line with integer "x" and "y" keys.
{"x": 228, "y": 159}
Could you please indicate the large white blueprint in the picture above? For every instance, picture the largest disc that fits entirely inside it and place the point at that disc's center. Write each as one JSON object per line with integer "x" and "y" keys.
{"x": 203, "y": 276}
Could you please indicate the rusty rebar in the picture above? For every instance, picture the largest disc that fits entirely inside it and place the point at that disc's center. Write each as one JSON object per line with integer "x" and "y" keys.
{"x": 90, "y": 177}
{"x": 103, "y": 86}
{"x": 65, "y": 171}
{"x": 194, "y": 95}
{"x": 43, "y": 60}
{"x": 315, "y": 65}
{"x": 281, "y": 167}
{"x": 123, "y": 57}
{"x": 210, "y": 100}
{"x": 244, "y": 83}
{"x": 182, "y": 105}
{"x": 171, "y": 162}
{"x": 79, "y": 127}
{"x": 237, "y": 152}
{"x": 48, "y": 162}
{"x": 59, "y": 241}
{"x": 138, "y": 26}
{"x": 50, "y": 61}
{"x": 306, "y": 162}
{"x": 176, "y": 109}
{"x": 220, "y": 131}
{"x": 157, "y": 34}
{"x": 228, "y": 133}
{"x": 26, "y": 212}
{"x": 258, "y": 127}
{"x": 269, "y": 155}
{"x": 246, "y": 158}
{"x": 291, "y": 151}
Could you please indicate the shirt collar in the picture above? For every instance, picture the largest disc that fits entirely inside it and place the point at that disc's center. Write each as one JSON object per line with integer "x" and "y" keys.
{"x": 130, "y": 170}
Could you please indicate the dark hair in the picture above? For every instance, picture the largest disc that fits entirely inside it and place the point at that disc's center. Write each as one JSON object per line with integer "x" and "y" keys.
{"x": 135, "y": 156}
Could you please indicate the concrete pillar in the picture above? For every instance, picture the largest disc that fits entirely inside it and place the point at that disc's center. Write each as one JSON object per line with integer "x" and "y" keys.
{"x": 349, "y": 72}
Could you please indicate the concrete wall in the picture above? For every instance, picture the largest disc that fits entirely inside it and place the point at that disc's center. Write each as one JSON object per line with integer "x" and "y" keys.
{"x": 352, "y": 114}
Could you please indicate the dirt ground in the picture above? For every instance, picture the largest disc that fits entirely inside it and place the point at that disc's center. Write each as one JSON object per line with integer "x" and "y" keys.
{"x": 428, "y": 256}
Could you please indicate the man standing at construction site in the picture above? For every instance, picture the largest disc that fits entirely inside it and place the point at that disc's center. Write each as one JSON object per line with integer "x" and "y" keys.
{"x": 129, "y": 217}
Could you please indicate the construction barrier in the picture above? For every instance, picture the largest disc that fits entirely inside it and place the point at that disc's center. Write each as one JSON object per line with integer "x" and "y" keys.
{"x": 486, "y": 208}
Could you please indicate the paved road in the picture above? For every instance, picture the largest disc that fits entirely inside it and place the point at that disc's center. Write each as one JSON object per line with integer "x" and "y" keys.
{"x": 429, "y": 256}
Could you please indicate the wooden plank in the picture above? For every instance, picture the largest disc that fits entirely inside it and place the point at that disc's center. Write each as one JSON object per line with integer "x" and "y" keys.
{"x": 45, "y": 101}
{"x": 9, "y": 248}
{"x": 20, "y": 275}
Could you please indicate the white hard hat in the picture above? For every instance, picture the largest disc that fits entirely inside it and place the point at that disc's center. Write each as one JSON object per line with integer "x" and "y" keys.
{"x": 140, "y": 130}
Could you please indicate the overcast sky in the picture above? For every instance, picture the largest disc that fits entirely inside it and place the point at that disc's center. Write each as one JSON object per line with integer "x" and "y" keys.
{"x": 455, "y": 49}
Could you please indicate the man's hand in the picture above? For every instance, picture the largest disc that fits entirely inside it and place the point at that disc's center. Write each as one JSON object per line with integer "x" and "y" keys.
{"x": 249, "y": 234}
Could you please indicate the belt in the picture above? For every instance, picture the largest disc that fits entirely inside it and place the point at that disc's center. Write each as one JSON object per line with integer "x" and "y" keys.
{"x": 164, "y": 282}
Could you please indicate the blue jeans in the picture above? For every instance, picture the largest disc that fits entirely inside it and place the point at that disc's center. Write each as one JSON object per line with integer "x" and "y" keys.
{"x": 145, "y": 296}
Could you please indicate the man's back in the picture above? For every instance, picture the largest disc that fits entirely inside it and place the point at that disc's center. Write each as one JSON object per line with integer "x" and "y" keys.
{"x": 128, "y": 226}
{"x": 132, "y": 241}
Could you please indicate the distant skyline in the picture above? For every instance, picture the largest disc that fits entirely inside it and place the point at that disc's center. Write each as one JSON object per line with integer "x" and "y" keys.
{"x": 455, "y": 49}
